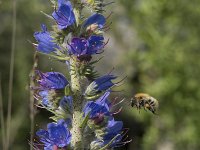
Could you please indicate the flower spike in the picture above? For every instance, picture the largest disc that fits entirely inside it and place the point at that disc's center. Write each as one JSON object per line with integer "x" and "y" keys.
{"x": 83, "y": 115}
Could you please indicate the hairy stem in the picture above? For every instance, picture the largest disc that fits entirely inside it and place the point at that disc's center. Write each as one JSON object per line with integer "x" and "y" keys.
{"x": 77, "y": 106}
{"x": 76, "y": 131}
{"x": 32, "y": 108}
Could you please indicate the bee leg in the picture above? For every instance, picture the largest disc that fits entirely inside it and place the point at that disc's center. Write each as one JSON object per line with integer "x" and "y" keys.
{"x": 152, "y": 110}
{"x": 145, "y": 108}
{"x": 156, "y": 114}
{"x": 138, "y": 108}
{"x": 132, "y": 104}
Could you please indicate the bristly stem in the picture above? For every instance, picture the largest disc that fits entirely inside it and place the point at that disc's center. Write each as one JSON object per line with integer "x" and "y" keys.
{"x": 76, "y": 131}
{"x": 11, "y": 74}
{"x": 32, "y": 108}
{"x": 2, "y": 117}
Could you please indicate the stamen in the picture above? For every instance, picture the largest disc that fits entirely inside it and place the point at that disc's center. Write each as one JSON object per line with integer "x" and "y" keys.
{"x": 110, "y": 13}
{"x": 109, "y": 73}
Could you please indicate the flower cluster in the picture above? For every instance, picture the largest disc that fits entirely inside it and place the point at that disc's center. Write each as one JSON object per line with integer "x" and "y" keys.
{"x": 101, "y": 121}
{"x": 51, "y": 88}
{"x": 77, "y": 111}
{"x": 57, "y": 135}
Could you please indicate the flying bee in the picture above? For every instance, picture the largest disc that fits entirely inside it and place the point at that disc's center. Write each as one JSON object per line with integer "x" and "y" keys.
{"x": 146, "y": 101}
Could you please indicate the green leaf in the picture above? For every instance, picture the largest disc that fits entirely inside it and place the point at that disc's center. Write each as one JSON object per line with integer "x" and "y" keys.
{"x": 85, "y": 120}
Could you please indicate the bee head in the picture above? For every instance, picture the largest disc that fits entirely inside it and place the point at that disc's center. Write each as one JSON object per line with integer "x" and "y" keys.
{"x": 133, "y": 102}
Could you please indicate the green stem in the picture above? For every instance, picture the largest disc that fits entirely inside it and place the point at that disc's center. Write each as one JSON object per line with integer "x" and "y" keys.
{"x": 10, "y": 87}
{"x": 2, "y": 118}
{"x": 32, "y": 107}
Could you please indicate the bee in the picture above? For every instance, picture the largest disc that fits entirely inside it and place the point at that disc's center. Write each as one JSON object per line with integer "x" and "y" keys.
{"x": 143, "y": 100}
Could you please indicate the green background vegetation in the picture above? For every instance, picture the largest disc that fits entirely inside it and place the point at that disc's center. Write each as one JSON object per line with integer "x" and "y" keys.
{"x": 154, "y": 42}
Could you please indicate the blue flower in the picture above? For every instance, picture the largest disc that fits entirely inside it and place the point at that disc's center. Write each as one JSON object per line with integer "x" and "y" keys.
{"x": 45, "y": 41}
{"x": 105, "y": 82}
{"x": 45, "y": 95}
{"x": 113, "y": 130}
{"x": 97, "y": 111}
{"x": 96, "y": 43}
{"x": 96, "y": 20}
{"x": 98, "y": 108}
{"x": 66, "y": 104}
{"x": 51, "y": 89}
{"x": 104, "y": 99}
{"x": 98, "y": 86}
{"x": 52, "y": 80}
{"x": 64, "y": 15}
{"x": 112, "y": 135}
{"x": 86, "y": 47}
{"x": 57, "y": 135}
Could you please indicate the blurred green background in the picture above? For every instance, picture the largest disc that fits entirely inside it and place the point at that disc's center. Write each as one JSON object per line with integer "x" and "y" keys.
{"x": 156, "y": 43}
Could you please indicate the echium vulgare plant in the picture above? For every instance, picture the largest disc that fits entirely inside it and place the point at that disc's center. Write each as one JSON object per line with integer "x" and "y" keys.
{"x": 82, "y": 112}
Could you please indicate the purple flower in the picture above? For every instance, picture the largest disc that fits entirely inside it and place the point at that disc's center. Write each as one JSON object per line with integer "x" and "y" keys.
{"x": 52, "y": 80}
{"x": 64, "y": 15}
{"x": 99, "y": 108}
{"x": 78, "y": 46}
{"x": 45, "y": 41}
{"x": 57, "y": 135}
{"x": 86, "y": 47}
{"x": 96, "y": 20}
